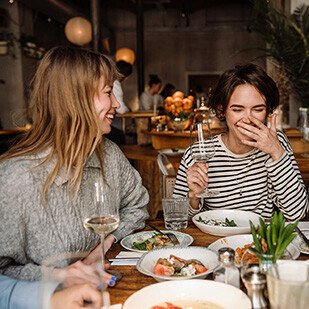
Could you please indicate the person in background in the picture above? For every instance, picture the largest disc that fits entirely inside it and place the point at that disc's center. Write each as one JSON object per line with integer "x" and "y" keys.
{"x": 125, "y": 69}
{"x": 47, "y": 180}
{"x": 18, "y": 294}
{"x": 253, "y": 167}
{"x": 150, "y": 98}
{"x": 167, "y": 91}
{"x": 117, "y": 134}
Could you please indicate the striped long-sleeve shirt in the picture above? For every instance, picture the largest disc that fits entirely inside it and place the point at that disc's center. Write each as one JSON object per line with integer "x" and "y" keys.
{"x": 250, "y": 181}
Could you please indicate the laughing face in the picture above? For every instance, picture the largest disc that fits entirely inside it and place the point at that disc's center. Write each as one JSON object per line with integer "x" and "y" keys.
{"x": 105, "y": 105}
{"x": 245, "y": 101}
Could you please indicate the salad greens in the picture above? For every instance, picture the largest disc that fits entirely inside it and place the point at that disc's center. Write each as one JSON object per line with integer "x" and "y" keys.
{"x": 157, "y": 240}
{"x": 272, "y": 238}
{"x": 217, "y": 222}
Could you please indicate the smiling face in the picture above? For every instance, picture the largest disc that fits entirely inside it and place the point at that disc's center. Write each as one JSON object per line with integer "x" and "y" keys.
{"x": 245, "y": 101}
{"x": 105, "y": 105}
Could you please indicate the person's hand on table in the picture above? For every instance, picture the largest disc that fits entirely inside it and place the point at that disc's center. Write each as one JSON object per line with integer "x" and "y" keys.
{"x": 80, "y": 273}
{"x": 197, "y": 180}
{"x": 75, "y": 296}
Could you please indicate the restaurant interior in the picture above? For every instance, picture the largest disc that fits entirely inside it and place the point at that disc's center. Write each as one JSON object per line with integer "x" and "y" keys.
{"x": 185, "y": 43}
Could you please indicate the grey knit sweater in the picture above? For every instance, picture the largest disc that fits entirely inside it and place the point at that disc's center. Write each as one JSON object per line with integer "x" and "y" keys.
{"x": 31, "y": 233}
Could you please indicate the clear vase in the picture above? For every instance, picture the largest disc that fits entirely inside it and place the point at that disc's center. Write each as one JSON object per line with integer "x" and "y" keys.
{"x": 266, "y": 261}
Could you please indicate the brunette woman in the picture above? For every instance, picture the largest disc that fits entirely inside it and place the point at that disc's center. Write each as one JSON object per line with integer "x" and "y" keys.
{"x": 254, "y": 167}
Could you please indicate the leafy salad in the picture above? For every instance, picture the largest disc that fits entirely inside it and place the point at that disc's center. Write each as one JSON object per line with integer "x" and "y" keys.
{"x": 157, "y": 240}
{"x": 217, "y": 222}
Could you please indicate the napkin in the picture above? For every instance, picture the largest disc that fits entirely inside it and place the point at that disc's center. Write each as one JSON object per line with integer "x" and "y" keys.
{"x": 125, "y": 258}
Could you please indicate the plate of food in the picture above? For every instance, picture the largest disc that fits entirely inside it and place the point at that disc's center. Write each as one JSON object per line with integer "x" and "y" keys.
{"x": 225, "y": 222}
{"x": 240, "y": 243}
{"x": 149, "y": 240}
{"x": 178, "y": 263}
{"x": 300, "y": 243}
{"x": 188, "y": 294}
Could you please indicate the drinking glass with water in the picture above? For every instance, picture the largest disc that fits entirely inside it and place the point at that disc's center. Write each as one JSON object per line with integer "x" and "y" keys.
{"x": 175, "y": 212}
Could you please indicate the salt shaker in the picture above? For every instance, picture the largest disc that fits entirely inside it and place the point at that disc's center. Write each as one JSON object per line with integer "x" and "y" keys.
{"x": 226, "y": 271}
{"x": 255, "y": 281}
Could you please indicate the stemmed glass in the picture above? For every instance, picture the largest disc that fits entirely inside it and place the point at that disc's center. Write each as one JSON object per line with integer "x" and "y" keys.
{"x": 202, "y": 149}
{"x": 105, "y": 218}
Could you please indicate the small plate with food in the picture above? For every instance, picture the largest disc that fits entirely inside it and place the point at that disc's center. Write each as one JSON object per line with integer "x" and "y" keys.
{"x": 149, "y": 240}
{"x": 178, "y": 263}
{"x": 225, "y": 222}
{"x": 241, "y": 244}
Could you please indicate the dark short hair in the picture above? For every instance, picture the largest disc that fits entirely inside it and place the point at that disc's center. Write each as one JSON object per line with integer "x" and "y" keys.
{"x": 250, "y": 74}
{"x": 154, "y": 80}
{"x": 124, "y": 68}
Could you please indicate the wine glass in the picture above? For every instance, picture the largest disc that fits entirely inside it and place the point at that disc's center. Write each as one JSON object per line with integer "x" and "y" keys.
{"x": 202, "y": 149}
{"x": 105, "y": 218}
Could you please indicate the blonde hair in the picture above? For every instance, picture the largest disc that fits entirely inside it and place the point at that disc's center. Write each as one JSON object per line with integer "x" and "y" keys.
{"x": 63, "y": 114}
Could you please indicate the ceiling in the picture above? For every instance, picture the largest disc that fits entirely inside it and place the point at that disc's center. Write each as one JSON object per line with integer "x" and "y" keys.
{"x": 62, "y": 10}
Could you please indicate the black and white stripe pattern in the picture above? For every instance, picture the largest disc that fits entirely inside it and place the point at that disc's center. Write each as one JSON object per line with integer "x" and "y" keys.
{"x": 250, "y": 181}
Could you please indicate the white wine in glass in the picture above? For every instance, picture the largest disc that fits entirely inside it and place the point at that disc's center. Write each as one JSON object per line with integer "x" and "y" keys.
{"x": 105, "y": 218}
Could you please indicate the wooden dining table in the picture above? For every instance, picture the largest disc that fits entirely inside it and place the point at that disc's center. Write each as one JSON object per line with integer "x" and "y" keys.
{"x": 133, "y": 280}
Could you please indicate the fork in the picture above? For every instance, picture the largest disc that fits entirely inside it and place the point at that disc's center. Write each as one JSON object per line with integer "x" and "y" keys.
{"x": 302, "y": 235}
{"x": 170, "y": 235}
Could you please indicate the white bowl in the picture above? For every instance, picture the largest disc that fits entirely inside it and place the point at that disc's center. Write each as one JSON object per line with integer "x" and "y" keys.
{"x": 221, "y": 294}
{"x": 147, "y": 262}
{"x": 239, "y": 241}
{"x": 240, "y": 217}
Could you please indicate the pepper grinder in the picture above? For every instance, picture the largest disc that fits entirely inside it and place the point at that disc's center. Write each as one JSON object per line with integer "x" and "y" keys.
{"x": 255, "y": 281}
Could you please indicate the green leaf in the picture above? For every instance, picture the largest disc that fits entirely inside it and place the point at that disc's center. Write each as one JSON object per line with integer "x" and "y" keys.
{"x": 255, "y": 238}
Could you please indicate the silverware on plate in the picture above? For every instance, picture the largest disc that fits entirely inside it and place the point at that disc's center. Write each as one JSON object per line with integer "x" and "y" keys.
{"x": 170, "y": 235}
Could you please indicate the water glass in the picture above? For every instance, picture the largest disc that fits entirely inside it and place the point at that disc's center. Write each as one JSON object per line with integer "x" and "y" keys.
{"x": 288, "y": 285}
{"x": 175, "y": 212}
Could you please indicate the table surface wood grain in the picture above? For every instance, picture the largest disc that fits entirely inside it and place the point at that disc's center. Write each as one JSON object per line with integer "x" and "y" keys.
{"x": 133, "y": 280}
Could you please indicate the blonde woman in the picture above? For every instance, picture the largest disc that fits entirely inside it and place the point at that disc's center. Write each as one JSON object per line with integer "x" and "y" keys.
{"x": 46, "y": 180}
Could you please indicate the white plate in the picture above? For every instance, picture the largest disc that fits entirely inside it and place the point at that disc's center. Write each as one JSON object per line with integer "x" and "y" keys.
{"x": 147, "y": 262}
{"x": 239, "y": 241}
{"x": 173, "y": 152}
{"x": 184, "y": 239}
{"x": 300, "y": 243}
{"x": 221, "y": 294}
{"x": 240, "y": 217}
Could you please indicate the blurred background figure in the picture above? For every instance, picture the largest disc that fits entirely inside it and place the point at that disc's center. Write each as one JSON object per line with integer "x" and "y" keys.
{"x": 150, "y": 98}
{"x": 125, "y": 69}
{"x": 167, "y": 91}
{"x": 117, "y": 135}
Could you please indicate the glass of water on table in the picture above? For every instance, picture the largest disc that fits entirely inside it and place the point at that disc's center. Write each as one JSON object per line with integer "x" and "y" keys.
{"x": 175, "y": 211}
